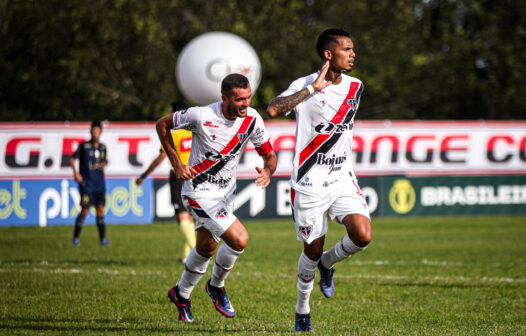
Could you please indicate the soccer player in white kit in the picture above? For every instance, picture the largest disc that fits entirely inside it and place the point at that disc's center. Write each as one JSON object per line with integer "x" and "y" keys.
{"x": 323, "y": 182}
{"x": 220, "y": 133}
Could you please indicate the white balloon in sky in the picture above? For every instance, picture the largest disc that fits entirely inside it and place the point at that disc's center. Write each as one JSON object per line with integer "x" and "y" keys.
{"x": 208, "y": 58}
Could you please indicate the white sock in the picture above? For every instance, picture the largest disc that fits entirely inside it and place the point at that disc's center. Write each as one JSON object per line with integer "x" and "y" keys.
{"x": 342, "y": 250}
{"x": 225, "y": 259}
{"x": 306, "y": 272}
{"x": 194, "y": 268}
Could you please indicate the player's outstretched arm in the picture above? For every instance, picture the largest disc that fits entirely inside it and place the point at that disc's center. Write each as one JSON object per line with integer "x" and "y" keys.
{"x": 269, "y": 167}
{"x": 281, "y": 105}
{"x": 157, "y": 161}
{"x": 163, "y": 127}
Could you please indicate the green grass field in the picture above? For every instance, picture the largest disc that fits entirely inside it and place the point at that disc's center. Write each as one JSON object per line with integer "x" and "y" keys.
{"x": 423, "y": 276}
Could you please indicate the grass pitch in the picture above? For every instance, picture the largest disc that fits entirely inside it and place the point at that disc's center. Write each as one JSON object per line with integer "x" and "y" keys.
{"x": 420, "y": 276}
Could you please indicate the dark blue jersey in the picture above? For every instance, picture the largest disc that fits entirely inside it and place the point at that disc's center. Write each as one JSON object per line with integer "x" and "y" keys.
{"x": 91, "y": 165}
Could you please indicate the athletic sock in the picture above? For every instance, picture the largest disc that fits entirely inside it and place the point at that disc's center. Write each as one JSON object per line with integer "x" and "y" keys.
{"x": 78, "y": 226}
{"x": 102, "y": 227}
{"x": 306, "y": 272}
{"x": 194, "y": 269}
{"x": 225, "y": 259}
{"x": 342, "y": 250}
{"x": 188, "y": 230}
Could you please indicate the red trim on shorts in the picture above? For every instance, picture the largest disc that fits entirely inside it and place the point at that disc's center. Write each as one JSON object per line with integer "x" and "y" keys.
{"x": 193, "y": 203}
{"x": 359, "y": 192}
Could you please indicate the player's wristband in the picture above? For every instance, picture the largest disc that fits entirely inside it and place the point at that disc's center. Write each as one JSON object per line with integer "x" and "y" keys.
{"x": 310, "y": 88}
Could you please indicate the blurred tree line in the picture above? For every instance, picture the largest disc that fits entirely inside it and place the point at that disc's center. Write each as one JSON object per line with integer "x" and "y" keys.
{"x": 115, "y": 59}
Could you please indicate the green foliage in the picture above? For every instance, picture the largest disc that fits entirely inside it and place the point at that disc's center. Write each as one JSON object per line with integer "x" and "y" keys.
{"x": 115, "y": 60}
{"x": 420, "y": 276}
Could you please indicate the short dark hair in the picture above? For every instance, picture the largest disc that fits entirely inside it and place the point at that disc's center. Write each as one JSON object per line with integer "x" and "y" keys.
{"x": 327, "y": 37}
{"x": 233, "y": 81}
{"x": 96, "y": 123}
{"x": 177, "y": 105}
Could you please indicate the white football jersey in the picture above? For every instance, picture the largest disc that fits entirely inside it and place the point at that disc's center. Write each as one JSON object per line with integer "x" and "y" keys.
{"x": 217, "y": 145}
{"x": 324, "y": 132}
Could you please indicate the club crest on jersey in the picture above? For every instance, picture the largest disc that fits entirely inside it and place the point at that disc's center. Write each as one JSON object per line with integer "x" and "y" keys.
{"x": 222, "y": 213}
{"x": 305, "y": 230}
{"x": 241, "y": 136}
{"x": 352, "y": 102}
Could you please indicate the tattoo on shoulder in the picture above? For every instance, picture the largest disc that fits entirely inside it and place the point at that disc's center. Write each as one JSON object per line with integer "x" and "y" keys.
{"x": 285, "y": 104}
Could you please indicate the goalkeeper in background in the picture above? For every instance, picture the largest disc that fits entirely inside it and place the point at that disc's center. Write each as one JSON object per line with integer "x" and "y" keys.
{"x": 182, "y": 140}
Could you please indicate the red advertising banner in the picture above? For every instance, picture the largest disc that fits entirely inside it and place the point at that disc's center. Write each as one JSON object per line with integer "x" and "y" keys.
{"x": 414, "y": 148}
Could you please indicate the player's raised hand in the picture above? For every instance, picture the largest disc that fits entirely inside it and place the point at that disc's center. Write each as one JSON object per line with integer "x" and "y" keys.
{"x": 263, "y": 177}
{"x": 320, "y": 84}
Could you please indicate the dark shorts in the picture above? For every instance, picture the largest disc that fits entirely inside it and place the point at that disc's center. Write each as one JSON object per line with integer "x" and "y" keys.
{"x": 88, "y": 197}
{"x": 176, "y": 186}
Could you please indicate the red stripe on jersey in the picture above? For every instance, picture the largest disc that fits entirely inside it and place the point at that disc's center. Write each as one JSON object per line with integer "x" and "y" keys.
{"x": 336, "y": 119}
{"x": 235, "y": 140}
{"x": 264, "y": 148}
{"x": 202, "y": 166}
{"x": 206, "y": 164}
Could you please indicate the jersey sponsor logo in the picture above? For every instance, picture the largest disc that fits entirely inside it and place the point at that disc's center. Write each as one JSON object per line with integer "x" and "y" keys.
{"x": 324, "y": 142}
{"x": 219, "y": 156}
{"x": 306, "y": 183}
{"x": 334, "y": 162}
{"x": 222, "y": 183}
{"x": 208, "y": 123}
{"x": 305, "y": 230}
{"x": 326, "y": 128}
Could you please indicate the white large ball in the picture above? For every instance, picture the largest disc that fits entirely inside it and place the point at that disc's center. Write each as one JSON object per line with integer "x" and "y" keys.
{"x": 207, "y": 59}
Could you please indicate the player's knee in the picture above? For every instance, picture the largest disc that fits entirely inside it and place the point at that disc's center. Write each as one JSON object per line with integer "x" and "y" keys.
{"x": 313, "y": 251}
{"x": 365, "y": 238}
{"x": 84, "y": 212}
{"x": 363, "y": 235}
{"x": 240, "y": 242}
{"x": 206, "y": 248}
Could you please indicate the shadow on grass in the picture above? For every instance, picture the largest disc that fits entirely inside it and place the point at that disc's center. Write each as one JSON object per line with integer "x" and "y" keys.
{"x": 112, "y": 325}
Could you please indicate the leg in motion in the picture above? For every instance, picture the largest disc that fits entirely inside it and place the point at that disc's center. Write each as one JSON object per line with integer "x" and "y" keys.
{"x": 195, "y": 267}
{"x": 235, "y": 240}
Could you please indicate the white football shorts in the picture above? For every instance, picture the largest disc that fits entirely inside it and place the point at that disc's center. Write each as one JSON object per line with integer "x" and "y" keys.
{"x": 311, "y": 212}
{"x": 215, "y": 215}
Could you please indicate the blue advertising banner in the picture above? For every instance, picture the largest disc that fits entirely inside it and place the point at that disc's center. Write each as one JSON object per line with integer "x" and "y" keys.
{"x": 56, "y": 202}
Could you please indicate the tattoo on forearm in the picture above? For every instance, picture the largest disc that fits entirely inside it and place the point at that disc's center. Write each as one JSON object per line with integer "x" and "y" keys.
{"x": 285, "y": 104}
